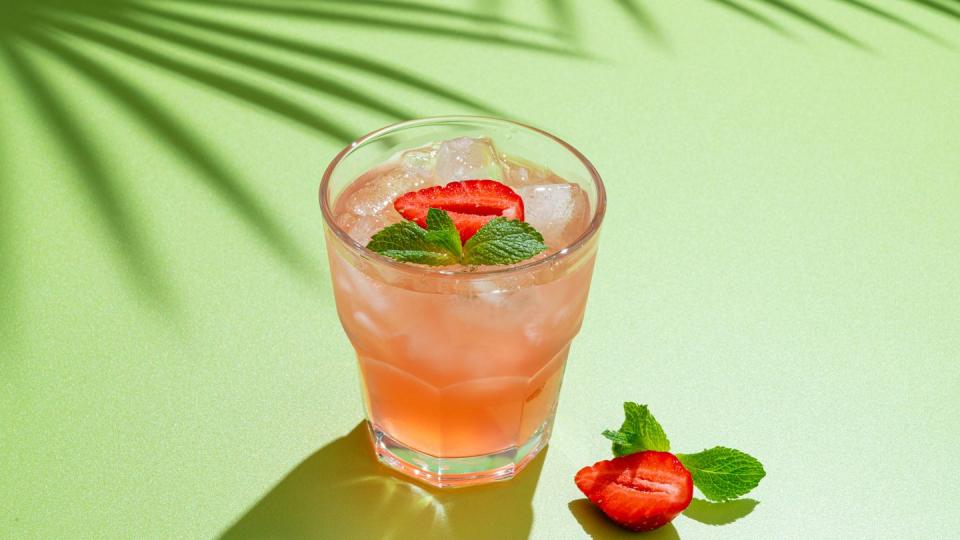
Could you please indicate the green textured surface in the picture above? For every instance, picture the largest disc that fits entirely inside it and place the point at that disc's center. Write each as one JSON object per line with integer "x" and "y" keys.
{"x": 779, "y": 270}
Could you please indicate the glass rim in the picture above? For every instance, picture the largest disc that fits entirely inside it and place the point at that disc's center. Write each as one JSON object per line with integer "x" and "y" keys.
{"x": 374, "y": 257}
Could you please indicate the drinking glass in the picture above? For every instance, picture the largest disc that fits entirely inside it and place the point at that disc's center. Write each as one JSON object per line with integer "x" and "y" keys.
{"x": 461, "y": 368}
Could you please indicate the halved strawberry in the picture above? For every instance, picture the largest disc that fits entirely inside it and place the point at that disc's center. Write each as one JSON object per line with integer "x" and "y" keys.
{"x": 470, "y": 203}
{"x": 640, "y": 491}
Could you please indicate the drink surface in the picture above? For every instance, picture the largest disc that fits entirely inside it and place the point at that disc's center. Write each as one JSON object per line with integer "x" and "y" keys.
{"x": 472, "y": 366}
{"x": 558, "y": 209}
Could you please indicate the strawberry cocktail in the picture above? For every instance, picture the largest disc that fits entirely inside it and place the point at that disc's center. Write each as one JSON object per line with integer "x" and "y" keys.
{"x": 461, "y": 250}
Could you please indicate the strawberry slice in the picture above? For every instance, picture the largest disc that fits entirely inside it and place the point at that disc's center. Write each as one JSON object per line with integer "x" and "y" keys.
{"x": 640, "y": 491}
{"x": 470, "y": 203}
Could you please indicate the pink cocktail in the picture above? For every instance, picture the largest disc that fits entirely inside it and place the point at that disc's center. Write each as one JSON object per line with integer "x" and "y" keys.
{"x": 461, "y": 366}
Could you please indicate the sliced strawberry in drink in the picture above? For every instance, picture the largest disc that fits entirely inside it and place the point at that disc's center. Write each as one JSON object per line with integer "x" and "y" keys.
{"x": 639, "y": 491}
{"x": 470, "y": 203}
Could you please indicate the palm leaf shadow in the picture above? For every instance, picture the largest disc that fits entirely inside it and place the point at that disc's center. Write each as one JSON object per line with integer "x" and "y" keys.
{"x": 892, "y": 18}
{"x": 71, "y": 19}
{"x": 937, "y": 7}
{"x": 815, "y": 21}
{"x": 563, "y": 15}
{"x": 494, "y": 7}
{"x": 164, "y": 124}
{"x": 97, "y": 180}
{"x": 642, "y": 19}
{"x": 753, "y": 15}
{"x": 423, "y": 28}
{"x": 646, "y": 23}
{"x": 243, "y": 91}
{"x": 342, "y": 58}
{"x": 444, "y": 11}
{"x": 117, "y": 25}
{"x": 254, "y": 63}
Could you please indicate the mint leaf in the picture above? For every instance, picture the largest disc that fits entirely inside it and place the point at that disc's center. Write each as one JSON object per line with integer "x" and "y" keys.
{"x": 640, "y": 431}
{"x": 722, "y": 473}
{"x": 503, "y": 241}
{"x": 443, "y": 233}
{"x": 407, "y": 242}
{"x": 500, "y": 241}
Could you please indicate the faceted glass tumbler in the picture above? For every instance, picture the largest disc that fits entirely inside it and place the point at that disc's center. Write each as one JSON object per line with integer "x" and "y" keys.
{"x": 461, "y": 369}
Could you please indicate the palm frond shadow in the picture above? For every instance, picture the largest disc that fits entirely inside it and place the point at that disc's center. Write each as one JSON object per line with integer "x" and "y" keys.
{"x": 457, "y": 14}
{"x": 942, "y": 9}
{"x": 753, "y": 15}
{"x": 131, "y": 29}
{"x": 641, "y": 18}
{"x": 311, "y": 50}
{"x": 429, "y": 29}
{"x": 98, "y": 183}
{"x": 867, "y": 7}
{"x": 762, "y": 13}
{"x": 256, "y": 63}
{"x": 890, "y": 17}
{"x": 52, "y": 26}
{"x": 141, "y": 31}
{"x": 564, "y": 16}
{"x": 815, "y": 21}
{"x": 165, "y": 125}
{"x": 232, "y": 86}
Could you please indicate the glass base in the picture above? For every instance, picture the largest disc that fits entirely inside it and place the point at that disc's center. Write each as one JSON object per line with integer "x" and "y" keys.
{"x": 461, "y": 471}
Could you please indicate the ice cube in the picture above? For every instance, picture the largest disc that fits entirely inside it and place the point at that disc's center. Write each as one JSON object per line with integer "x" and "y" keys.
{"x": 379, "y": 192}
{"x": 467, "y": 158}
{"x": 420, "y": 161}
{"x": 522, "y": 173}
{"x": 559, "y": 211}
{"x": 362, "y": 228}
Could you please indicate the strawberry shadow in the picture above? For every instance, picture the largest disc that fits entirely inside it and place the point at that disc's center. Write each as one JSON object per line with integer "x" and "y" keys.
{"x": 342, "y": 492}
{"x": 598, "y": 527}
{"x": 719, "y": 513}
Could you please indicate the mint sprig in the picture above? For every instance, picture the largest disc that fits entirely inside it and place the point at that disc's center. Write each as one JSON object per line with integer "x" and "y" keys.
{"x": 640, "y": 431}
{"x": 719, "y": 473}
{"x": 500, "y": 241}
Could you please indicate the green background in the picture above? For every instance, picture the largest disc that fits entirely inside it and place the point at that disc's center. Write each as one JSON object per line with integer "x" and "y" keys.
{"x": 779, "y": 268}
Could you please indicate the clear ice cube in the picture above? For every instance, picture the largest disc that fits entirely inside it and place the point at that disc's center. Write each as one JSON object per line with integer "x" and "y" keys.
{"x": 559, "y": 211}
{"x": 379, "y": 193}
{"x": 467, "y": 158}
{"x": 420, "y": 161}
{"x": 521, "y": 173}
{"x": 362, "y": 228}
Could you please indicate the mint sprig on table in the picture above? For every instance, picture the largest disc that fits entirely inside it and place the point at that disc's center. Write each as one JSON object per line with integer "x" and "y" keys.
{"x": 500, "y": 241}
{"x": 640, "y": 431}
{"x": 719, "y": 473}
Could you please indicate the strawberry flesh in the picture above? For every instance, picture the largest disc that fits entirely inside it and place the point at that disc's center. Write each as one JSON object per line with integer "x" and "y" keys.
{"x": 640, "y": 491}
{"x": 470, "y": 203}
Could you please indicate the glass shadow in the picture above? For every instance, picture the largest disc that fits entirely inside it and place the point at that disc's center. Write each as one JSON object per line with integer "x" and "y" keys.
{"x": 342, "y": 492}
